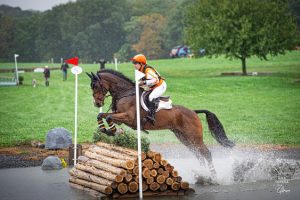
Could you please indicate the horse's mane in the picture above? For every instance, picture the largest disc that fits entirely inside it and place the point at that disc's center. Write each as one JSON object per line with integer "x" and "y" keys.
{"x": 118, "y": 74}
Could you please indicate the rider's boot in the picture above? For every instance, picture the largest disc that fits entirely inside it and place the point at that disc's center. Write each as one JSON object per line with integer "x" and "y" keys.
{"x": 152, "y": 110}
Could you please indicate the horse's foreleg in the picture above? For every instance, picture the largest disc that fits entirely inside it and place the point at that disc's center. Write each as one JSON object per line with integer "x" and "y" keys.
{"x": 111, "y": 129}
{"x": 110, "y": 119}
{"x": 101, "y": 125}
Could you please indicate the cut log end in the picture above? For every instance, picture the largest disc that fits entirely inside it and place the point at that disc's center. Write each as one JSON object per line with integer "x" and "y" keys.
{"x": 122, "y": 188}
{"x": 129, "y": 164}
{"x": 146, "y": 173}
{"x": 163, "y": 187}
{"x": 160, "y": 179}
{"x": 150, "y": 180}
{"x": 133, "y": 186}
{"x": 157, "y": 157}
{"x": 153, "y": 173}
{"x": 154, "y": 186}
{"x": 184, "y": 185}
{"x": 119, "y": 178}
{"x": 174, "y": 173}
{"x": 169, "y": 181}
{"x": 175, "y": 186}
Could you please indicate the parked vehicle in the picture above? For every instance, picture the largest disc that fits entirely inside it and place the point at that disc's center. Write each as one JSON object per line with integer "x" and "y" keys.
{"x": 180, "y": 51}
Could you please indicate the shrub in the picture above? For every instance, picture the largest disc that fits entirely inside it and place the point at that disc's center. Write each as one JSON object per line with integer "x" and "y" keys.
{"x": 127, "y": 139}
{"x": 21, "y": 79}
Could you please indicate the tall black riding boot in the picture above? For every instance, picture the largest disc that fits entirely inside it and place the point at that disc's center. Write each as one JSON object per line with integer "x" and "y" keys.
{"x": 152, "y": 110}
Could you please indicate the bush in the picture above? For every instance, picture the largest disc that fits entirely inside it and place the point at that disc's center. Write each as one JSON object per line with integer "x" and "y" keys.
{"x": 21, "y": 79}
{"x": 127, "y": 139}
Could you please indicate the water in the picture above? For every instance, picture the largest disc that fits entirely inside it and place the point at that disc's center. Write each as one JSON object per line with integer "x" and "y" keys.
{"x": 34, "y": 183}
{"x": 238, "y": 165}
{"x": 241, "y": 174}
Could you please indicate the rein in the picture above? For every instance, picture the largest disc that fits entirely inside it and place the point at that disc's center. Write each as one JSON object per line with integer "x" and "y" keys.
{"x": 117, "y": 88}
{"x": 116, "y": 97}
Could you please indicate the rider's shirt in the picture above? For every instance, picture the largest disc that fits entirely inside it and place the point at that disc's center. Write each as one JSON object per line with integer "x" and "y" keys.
{"x": 152, "y": 77}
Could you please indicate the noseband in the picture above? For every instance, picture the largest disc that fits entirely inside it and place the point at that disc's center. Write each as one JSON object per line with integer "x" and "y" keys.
{"x": 103, "y": 89}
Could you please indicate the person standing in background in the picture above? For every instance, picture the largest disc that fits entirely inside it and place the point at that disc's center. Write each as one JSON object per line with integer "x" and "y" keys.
{"x": 64, "y": 68}
{"x": 102, "y": 63}
{"x": 46, "y": 75}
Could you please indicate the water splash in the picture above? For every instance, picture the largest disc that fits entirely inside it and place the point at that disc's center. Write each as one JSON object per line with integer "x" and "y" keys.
{"x": 234, "y": 165}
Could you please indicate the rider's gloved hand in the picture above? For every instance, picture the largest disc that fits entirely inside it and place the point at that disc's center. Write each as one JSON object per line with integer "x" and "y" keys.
{"x": 142, "y": 83}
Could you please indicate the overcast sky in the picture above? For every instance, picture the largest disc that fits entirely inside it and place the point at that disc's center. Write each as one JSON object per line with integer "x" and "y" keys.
{"x": 40, "y": 5}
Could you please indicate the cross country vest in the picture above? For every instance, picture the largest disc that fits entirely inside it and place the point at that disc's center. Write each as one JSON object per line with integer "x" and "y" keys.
{"x": 160, "y": 78}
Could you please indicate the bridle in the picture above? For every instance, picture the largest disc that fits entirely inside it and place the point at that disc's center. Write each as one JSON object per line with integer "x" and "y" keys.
{"x": 116, "y": 95}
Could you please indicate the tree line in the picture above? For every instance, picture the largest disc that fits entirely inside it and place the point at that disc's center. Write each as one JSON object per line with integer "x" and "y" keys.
{"x": 104, "y": 29}
{"x": 92, "y": 30}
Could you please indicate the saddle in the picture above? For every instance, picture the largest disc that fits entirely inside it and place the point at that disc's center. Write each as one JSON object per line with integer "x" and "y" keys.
{"x": 164, "y": 102}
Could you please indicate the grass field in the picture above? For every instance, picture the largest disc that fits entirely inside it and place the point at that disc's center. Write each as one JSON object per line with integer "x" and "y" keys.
{"x": 253, "y": 109}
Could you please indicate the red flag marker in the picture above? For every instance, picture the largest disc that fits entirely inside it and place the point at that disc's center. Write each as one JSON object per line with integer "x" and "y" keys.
{"x": 73, "y": 61}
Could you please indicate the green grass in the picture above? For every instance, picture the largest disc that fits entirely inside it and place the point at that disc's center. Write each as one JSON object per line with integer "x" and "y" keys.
{"x": 253, "y": 109}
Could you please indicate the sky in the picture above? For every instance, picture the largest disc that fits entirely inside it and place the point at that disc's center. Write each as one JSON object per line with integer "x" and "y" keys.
{"x": 40, "y": 5}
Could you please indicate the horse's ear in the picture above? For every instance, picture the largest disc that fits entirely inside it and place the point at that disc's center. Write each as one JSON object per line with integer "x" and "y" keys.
{"x": 98, "y": 77}
{"x": 95, "y": 77}
{"x": 89, "y": 75}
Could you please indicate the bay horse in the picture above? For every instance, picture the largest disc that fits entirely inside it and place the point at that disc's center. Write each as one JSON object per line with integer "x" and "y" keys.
{"x": 184, "y": 122}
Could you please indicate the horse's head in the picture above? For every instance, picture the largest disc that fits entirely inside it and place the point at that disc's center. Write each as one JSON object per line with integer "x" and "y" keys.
{"x": 99, "y": 88}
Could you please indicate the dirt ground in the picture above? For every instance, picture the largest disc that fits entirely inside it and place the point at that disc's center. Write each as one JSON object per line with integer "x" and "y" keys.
{"x": 28, "y": 156}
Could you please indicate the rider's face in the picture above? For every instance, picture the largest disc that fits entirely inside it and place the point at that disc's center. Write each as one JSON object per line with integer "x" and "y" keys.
{"x": 137, "y": 65}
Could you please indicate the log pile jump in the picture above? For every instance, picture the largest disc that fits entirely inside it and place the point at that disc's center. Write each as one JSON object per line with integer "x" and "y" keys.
{"x": 112, "y": 172}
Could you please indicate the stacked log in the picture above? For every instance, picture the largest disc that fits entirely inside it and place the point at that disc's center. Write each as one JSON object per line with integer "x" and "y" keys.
{"x": 113, "y": 171}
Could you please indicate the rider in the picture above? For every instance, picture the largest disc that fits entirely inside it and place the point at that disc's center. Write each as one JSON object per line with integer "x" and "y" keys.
{"x": 153, "y": 80}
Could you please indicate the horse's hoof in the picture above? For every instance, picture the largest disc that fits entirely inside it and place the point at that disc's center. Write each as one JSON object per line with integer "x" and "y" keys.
{"x": 214, "y": 181}
{"x": 110, "y": 132}
{"x": 102, "y": 130}
{"x": 213, "y": 178}
{"x": 100, "y": 116}
{"x": 120, "y": 131}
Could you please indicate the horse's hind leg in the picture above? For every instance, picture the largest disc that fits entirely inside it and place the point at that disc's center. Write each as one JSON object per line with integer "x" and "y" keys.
{"x": 192, "y": 138}
{"x": 207, "y": 155}
{"x": 201, "y": 151}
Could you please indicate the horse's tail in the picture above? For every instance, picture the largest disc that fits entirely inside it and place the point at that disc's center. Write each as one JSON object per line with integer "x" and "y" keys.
{"x": 216, "y": 128}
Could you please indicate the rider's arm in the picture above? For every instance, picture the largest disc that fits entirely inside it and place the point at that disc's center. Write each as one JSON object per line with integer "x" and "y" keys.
{"x": 151, "y": 77}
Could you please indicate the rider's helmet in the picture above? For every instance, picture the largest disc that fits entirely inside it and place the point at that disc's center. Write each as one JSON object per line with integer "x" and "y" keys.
{"x": 140, "y": 58}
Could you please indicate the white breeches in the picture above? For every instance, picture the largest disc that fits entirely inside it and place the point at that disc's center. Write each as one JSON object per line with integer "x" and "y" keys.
{"x": 157, "y": 92}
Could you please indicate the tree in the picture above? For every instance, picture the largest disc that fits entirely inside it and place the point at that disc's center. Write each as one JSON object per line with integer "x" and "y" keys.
{"x": 25, "y": 34}
{"x": 241, "y": 28}
{"x": 173, "y": 31}
{"x": 6, "y": 37}
{"x": 151, "y": 39}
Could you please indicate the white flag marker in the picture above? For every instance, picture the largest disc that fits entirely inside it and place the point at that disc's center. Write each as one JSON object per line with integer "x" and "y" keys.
{"x": 16, "y": 65}
{"x": 76, "y": 70}
{"x": 138, "y": 76}
{"x": 116, "y": 64}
